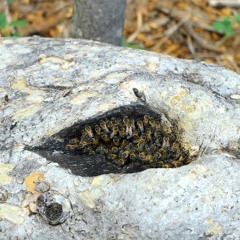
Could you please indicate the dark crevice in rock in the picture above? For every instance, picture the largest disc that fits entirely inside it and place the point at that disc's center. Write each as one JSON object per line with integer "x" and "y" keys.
{"x": 124, "y": 140}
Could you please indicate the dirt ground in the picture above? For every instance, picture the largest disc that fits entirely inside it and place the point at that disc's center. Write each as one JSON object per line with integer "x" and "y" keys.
{"x": 181, "y": 28}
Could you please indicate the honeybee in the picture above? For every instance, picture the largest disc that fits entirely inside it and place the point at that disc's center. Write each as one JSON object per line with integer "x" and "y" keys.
{"x": 133, "y": 156}
{"x": 97, "y": 129}
{"x": 146, "y": 119}
{"x": 116, "y": 141}
{"x": 152, "y": 123}
{"x": 148, "y": 134}
{"x": 165, "y": 143}
{"x": 113, "y": 156}
{"x": 142, "y": 156}
{"x": 89, "y": 131}
{"x": 109, "y": 124}
{"x": 124, "y": 143}
{"x": 149, "y": 158}
{"x": 125, "y": 154}
{"x": 82, "y": 144}
{"x": 122, "y": 132}
{"x": 121, "y": 162}
{"x": 129, "y": 130}
{"x": 94, "y": 140}
{"x": 114, "y": 150}
{"x": 140, "y": 125}
{"x": 101, "y": 149}
{"x": 114, "y": 131}
{"x": 104, "y": 126}
{"x": 158, "y": 125}
{"x": 166, "y": 165}
{"x": 88, "y": 150}
{"x": 105, "y": 137}
{"x": 177, "y": 163}
{"x": 125, "y": 120}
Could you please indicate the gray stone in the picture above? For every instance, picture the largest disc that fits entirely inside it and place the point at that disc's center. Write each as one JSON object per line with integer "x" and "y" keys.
{"x": 48, "y": 85}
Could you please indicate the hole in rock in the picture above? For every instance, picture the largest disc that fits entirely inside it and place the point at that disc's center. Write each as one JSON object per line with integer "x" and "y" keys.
{"x": 125, "y": 140}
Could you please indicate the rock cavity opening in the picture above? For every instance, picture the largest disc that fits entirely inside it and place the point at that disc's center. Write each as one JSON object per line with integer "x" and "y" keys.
{"x": 125, "y": 140}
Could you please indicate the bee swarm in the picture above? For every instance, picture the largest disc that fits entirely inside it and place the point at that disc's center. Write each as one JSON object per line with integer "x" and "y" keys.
{"x": 127, "y": 140}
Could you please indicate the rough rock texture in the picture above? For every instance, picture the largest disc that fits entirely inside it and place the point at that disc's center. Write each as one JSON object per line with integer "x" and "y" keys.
{"x": 47, "y": 85}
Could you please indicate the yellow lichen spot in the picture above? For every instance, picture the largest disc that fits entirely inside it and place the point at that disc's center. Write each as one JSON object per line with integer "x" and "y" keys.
{"x": 12, "y": 213}
{"x": 87, "y": 198}
{"x": 19, "y": 84}
{"x": 189, "y": 107}
{"x": 209, "y": 220}
{"x": 36, "y": 99}
{"x": 4, "y": 170}
{"x": 214, "y": 229}
{"x": 96, "y": 181}
{"x": 50, "y": 132}
{"x": 30, "y": 180}
{"x": 106, "y": 107}
{"x": 193, "y": 171}
{"x": 67, "y": 65}
{"x": 235, "y": 96}
{"x": 178, "y": 97}
{"x": 26, "y": 111}
{"x": 83, "y": 96}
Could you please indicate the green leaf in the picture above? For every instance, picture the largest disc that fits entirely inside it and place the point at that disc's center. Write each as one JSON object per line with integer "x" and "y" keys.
{"x": 18, "y": 23}
{"x": 10, "y": 1}
{"x": 3, "y": 20}
{"x": 218, "y": 26}
{"x": 237, "y": 18}
{"x": 16, "y": 34}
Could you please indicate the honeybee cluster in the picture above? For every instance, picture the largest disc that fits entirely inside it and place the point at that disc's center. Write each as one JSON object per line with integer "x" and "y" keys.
{"x": 127, "y": 140}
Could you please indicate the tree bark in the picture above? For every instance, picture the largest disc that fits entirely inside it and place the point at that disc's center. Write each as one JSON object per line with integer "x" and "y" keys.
{"x": 99, "y": 20}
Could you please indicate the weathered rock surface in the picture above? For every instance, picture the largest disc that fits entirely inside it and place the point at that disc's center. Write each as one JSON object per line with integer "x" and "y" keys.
{"x": 48, "y": 85}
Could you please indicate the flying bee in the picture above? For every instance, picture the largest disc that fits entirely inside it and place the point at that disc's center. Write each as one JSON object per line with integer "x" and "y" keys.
{"x": 89, "y": 131}
{"x": 146, "y": 119}
{"x": 125, "y": 120}
{"x": 140, "y": 125}
{"x": 114, "y": 131}
{"x": 104, "y": 126}
{"x": 122, "y": 132}
{"x": 114, "y": 150}
{"x": 97, "y": 129}
{"x": 177, "y": 163}
{"x": 116, "y": 141}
